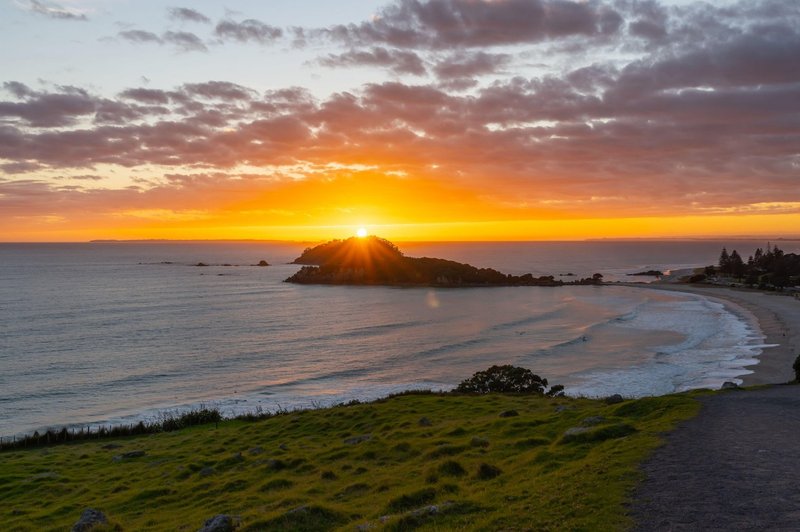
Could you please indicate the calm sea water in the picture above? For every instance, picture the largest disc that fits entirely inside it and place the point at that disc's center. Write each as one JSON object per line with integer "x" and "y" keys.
{"x": 99, "y": 333}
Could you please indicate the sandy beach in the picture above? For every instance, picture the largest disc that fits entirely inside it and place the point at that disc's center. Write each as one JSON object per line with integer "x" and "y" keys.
{"x": 777, "y": 315}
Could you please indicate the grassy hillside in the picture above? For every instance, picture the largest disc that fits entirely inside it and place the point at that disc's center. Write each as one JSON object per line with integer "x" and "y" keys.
{"x": 427, "y": 461}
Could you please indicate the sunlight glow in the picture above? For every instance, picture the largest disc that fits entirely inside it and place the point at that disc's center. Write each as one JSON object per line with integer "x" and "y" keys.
{"x": 361, "y": 233}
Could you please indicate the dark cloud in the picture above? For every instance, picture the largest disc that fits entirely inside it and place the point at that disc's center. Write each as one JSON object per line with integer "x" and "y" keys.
{"x": 469, "y": 65}
{"x": 55, "y": 11}
{"x": 185, "y": 41}
{"x": 248, "y": 31}
{"x": 21, "y": 167}
{"x": 147, "y": 96}
{"x": 139, "y": 36}
{"x": 222, "y": 90}
{"x": 397, "y": 61}
{"x": 186, "y": 14}
{"x": 443, "y": 24}
{"x": 47, "y": 109}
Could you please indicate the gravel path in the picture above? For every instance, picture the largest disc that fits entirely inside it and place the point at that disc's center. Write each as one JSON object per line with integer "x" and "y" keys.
{"x": 736, "y": 466}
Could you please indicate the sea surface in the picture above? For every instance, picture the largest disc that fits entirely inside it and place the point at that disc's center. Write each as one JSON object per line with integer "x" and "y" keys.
{"x": 116, "y": 332}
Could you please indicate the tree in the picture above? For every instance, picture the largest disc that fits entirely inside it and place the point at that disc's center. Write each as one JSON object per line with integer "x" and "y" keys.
{"x": 724, "y": 261}
{"x": 736, "y": 264}
{"x": 508, "y": 379}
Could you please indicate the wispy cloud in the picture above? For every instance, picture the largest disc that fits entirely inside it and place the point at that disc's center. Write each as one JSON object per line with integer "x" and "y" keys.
{"x": 183, "y": 41}
{"x": 249, "y": 30}
{"x": 53, "y": 10}
{"x": 185, "y": 14}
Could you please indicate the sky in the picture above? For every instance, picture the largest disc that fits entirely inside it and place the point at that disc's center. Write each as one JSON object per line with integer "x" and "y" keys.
{"x": 417, "y": 119}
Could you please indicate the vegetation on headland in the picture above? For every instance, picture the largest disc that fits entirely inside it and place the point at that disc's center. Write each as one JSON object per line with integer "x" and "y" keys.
{"x": 376, "y": 261}
{"x": 428, "y": 461}
{"x": 768, "y": 270}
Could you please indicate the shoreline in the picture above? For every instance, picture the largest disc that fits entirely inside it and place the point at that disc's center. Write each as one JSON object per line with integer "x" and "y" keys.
{"x": 776, "y": 316}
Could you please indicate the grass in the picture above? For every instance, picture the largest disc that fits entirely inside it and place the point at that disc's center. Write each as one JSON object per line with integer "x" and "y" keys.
{"x": 464, "y": 467}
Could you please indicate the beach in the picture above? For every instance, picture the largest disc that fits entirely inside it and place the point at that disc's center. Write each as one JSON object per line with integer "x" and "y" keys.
{"x": 776, "y": 315}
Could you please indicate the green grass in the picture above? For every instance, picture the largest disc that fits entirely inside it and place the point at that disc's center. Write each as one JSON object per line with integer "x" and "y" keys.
{"x": 296, "y": 471}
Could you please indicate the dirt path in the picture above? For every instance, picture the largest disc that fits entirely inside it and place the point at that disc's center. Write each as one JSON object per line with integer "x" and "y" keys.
{"x": 736, "y": 466}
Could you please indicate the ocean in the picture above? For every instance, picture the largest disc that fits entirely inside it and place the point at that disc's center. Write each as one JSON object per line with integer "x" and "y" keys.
{"x": 104, "y": 333}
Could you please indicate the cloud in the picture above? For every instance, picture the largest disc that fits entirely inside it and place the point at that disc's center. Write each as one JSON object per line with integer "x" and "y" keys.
{"x": 249, "y": 30}
{"x": 147, "y": 96}
{"x": 185, "y": 41}
{"x": 47, "y": 109}
{"x": 185, "y": 14}
{"x": 700, "y": 114}
{"x": 397, "y": 61}
{"x": 444, "y": 24}
{"x": 54, "y": 11}
{"x": 140, "y": 36}
{"x": 470, "y": 65}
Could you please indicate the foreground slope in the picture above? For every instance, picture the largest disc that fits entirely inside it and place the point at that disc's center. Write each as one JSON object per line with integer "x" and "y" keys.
{"x": 425, "y": 461}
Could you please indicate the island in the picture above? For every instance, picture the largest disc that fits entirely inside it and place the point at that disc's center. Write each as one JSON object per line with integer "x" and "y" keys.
{"x": 376, "y": 261}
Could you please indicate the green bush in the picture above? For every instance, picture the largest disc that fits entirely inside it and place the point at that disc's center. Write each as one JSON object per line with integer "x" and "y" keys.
{"x": 508, "y": 379}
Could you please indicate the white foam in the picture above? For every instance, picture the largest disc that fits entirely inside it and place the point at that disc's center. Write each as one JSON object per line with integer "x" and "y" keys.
{"x": 717, "y": 346}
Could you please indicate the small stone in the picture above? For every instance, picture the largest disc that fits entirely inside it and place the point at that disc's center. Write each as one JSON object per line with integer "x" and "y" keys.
{"x": 728, "y": 385}
{"x": 509, "y": 413}
{"x": 425, "y": 422}
{"x": 561, "y": 408}
{"x": 201, "y": 264}
{"x": 263, "y": 263}
{"x": 219, "y": 523}
{"x": 206, "y": 471}
{"x": 256, "y": 450}
{"x": 614, "y": 399}
{"x": 358, "y": 439}
{"x": 89, "y": 519}
{"x": 111, "y": 446}
{"x": 283, "y": 447}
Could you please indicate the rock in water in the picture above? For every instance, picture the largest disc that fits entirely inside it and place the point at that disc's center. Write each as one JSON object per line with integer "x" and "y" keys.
{"x": 728, "y": 385}
{"x": 219, "y": 523}
{"x": 263, "y": 263}
{"x": 89, "y": 519}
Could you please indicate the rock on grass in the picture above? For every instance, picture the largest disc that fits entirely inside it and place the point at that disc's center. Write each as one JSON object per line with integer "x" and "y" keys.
{"x": 89, "y": 519}
{"x": 219, "y": 523}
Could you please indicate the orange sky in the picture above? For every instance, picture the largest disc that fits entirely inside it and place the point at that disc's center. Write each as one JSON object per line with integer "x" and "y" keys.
{"x": 397, "y": 208}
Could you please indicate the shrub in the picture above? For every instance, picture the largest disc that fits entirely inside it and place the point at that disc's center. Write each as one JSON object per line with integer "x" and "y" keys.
{"x": 508, "y": 379}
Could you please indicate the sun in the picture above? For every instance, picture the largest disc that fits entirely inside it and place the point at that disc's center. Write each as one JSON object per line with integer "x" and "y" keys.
{"x": 361, "y": 233}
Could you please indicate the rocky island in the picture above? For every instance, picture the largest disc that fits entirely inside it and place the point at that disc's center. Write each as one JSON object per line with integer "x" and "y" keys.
{"x": 376, "y": 261}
